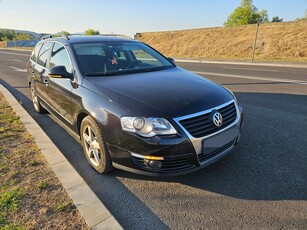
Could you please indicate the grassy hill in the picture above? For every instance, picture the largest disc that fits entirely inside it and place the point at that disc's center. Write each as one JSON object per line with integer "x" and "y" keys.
{"x": 285, "y": 41}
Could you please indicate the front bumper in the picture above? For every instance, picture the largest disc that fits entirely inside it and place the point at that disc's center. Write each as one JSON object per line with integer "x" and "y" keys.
{"x": 181, "y": 155}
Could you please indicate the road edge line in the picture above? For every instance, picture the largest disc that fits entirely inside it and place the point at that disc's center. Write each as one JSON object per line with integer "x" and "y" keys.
{"x": 290, "y": 65}
{"x": 96, "y": 215}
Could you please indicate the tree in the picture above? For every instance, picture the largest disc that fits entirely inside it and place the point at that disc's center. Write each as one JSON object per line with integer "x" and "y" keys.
{"x": 23, "y": 36}
{"x": 64, "y": 32}
{"x": 7, "y": 34}
{"x": 92, "y": 32}
{"x": 245, "y": 14}
{"x": 277, "y": 19}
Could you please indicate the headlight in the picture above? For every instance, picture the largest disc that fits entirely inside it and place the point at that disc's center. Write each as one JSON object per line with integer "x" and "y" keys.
{"x": 147, "y": 127}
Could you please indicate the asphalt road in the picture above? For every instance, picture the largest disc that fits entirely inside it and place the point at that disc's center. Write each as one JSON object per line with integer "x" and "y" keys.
{"x": 261, "y": 186}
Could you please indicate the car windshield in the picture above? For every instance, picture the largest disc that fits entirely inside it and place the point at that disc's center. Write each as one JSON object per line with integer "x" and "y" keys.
{"x": 114, "y": 58}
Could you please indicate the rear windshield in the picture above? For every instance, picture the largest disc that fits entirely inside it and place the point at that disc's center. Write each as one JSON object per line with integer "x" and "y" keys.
{"x": 113, "y": 58}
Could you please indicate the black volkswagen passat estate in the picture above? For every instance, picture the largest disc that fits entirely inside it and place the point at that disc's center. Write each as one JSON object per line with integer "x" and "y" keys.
{"x": 131, "y": 107}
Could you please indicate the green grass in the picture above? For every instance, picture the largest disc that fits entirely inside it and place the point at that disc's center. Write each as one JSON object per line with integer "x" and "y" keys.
{"x": 33, "y": 163}
{"x": 11, "y": 227}
{"x": 9, "y": 184}
{"x": 10, "y": 200}
{"x": 2, "y": 219}
{"x": 64, "y": 207}
{"x": 3, "y": 166}
{"x": 43, "y": 185}
{"x": 9, "y": 119}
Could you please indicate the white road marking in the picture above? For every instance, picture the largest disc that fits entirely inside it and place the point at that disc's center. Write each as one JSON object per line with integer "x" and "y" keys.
{"x": 289, "y": 65}
{"x": 18, "y": 70}
{"x": 11, "y": 53}
{"x": 253, "y": 77}
{"x": 264, "y": 70}
{"x": 18, "y": 60}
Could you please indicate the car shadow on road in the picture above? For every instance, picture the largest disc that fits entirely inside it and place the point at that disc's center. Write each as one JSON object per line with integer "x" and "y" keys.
{"x": 270, "y": 163}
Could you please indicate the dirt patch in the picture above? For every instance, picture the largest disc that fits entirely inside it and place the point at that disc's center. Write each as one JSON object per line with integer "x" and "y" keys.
{"x": 31, "y": 196}
{"x": 276, "y": 42}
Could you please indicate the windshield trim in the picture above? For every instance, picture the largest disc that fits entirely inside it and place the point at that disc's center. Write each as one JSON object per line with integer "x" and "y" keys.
{"x": 132, "y": 71}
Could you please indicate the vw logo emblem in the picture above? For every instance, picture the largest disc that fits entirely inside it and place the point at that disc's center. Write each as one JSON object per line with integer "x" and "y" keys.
{"x": 217, "y": 119}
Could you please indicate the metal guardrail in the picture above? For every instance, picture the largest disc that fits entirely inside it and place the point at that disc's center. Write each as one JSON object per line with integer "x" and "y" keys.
{"x": 21, "y": 43}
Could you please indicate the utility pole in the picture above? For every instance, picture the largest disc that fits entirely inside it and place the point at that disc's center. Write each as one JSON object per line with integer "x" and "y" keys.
{"x": 253, "y": 55}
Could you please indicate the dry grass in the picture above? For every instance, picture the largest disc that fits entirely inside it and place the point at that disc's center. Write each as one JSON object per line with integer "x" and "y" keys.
{"x": 276, "y": 41}
{"x": 31, "y": 196}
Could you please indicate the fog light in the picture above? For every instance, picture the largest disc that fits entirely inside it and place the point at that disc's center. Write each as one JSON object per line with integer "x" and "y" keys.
{"x": 154, "y": 164}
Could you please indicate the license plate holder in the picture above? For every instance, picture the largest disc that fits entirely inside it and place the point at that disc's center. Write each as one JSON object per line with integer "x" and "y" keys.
{"x": 213, "y": 144}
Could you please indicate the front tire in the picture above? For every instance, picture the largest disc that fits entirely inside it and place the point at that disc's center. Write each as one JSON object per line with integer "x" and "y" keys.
{"x": 94, "y": 146}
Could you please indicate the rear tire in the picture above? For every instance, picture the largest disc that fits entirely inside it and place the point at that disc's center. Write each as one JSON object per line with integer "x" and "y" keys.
{"x": 35, "y": 100}
{"x": 94, "y": 146}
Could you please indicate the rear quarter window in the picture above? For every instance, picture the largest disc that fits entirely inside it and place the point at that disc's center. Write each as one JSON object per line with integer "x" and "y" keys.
{"x": 35, "y": 52}
{"x": 44, "y": 54}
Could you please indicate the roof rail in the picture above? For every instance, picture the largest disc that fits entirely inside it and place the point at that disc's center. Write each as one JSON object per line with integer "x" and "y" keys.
{"x": 118, "y": 35}
{"x": 55, "y": 36}
{"x": 76, "y": 34}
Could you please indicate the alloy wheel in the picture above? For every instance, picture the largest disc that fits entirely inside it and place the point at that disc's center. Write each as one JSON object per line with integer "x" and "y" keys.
{"x": 92, "y": 147}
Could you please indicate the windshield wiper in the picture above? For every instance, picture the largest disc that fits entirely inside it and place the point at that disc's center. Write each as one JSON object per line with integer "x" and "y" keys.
{"x": 156, "y": 68}
{"x": 130, "y": 71}
{"x": 100, "y": 74}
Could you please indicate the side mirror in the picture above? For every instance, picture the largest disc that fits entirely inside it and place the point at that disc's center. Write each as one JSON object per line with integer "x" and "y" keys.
{"x": 59, "y": 71}
{"x": 171, "y": 60}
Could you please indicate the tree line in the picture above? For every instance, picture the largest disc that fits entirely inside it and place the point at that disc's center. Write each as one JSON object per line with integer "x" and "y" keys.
{"x": 247, "y": 13}
{"x": 11, "y": 35}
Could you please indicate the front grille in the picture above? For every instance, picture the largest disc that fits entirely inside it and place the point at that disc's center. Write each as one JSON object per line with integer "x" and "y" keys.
{"x": 169, "y": 164}
{"x": 200, "y": 126}
{"x": 203, "y": 156}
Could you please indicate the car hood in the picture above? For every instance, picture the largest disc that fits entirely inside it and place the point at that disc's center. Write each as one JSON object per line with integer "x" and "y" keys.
{"x": 166, "y": 93}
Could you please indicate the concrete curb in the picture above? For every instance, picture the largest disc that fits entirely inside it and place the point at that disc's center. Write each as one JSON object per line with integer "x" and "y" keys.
{"x": 91, "y": 208}
{"x": 293, "y": 65}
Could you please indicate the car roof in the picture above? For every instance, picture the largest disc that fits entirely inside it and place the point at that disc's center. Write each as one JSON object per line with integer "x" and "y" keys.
{"x": 84, "y": 38}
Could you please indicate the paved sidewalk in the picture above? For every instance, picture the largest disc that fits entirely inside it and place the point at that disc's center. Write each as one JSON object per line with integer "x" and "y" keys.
{"x": 94, "y": 212}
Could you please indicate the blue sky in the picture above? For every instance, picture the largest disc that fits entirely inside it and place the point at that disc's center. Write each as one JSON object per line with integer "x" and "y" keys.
{"x": 131, "y": 16}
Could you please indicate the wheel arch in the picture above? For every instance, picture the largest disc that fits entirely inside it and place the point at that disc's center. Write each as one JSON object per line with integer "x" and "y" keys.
{"x": 80, "y": 118}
